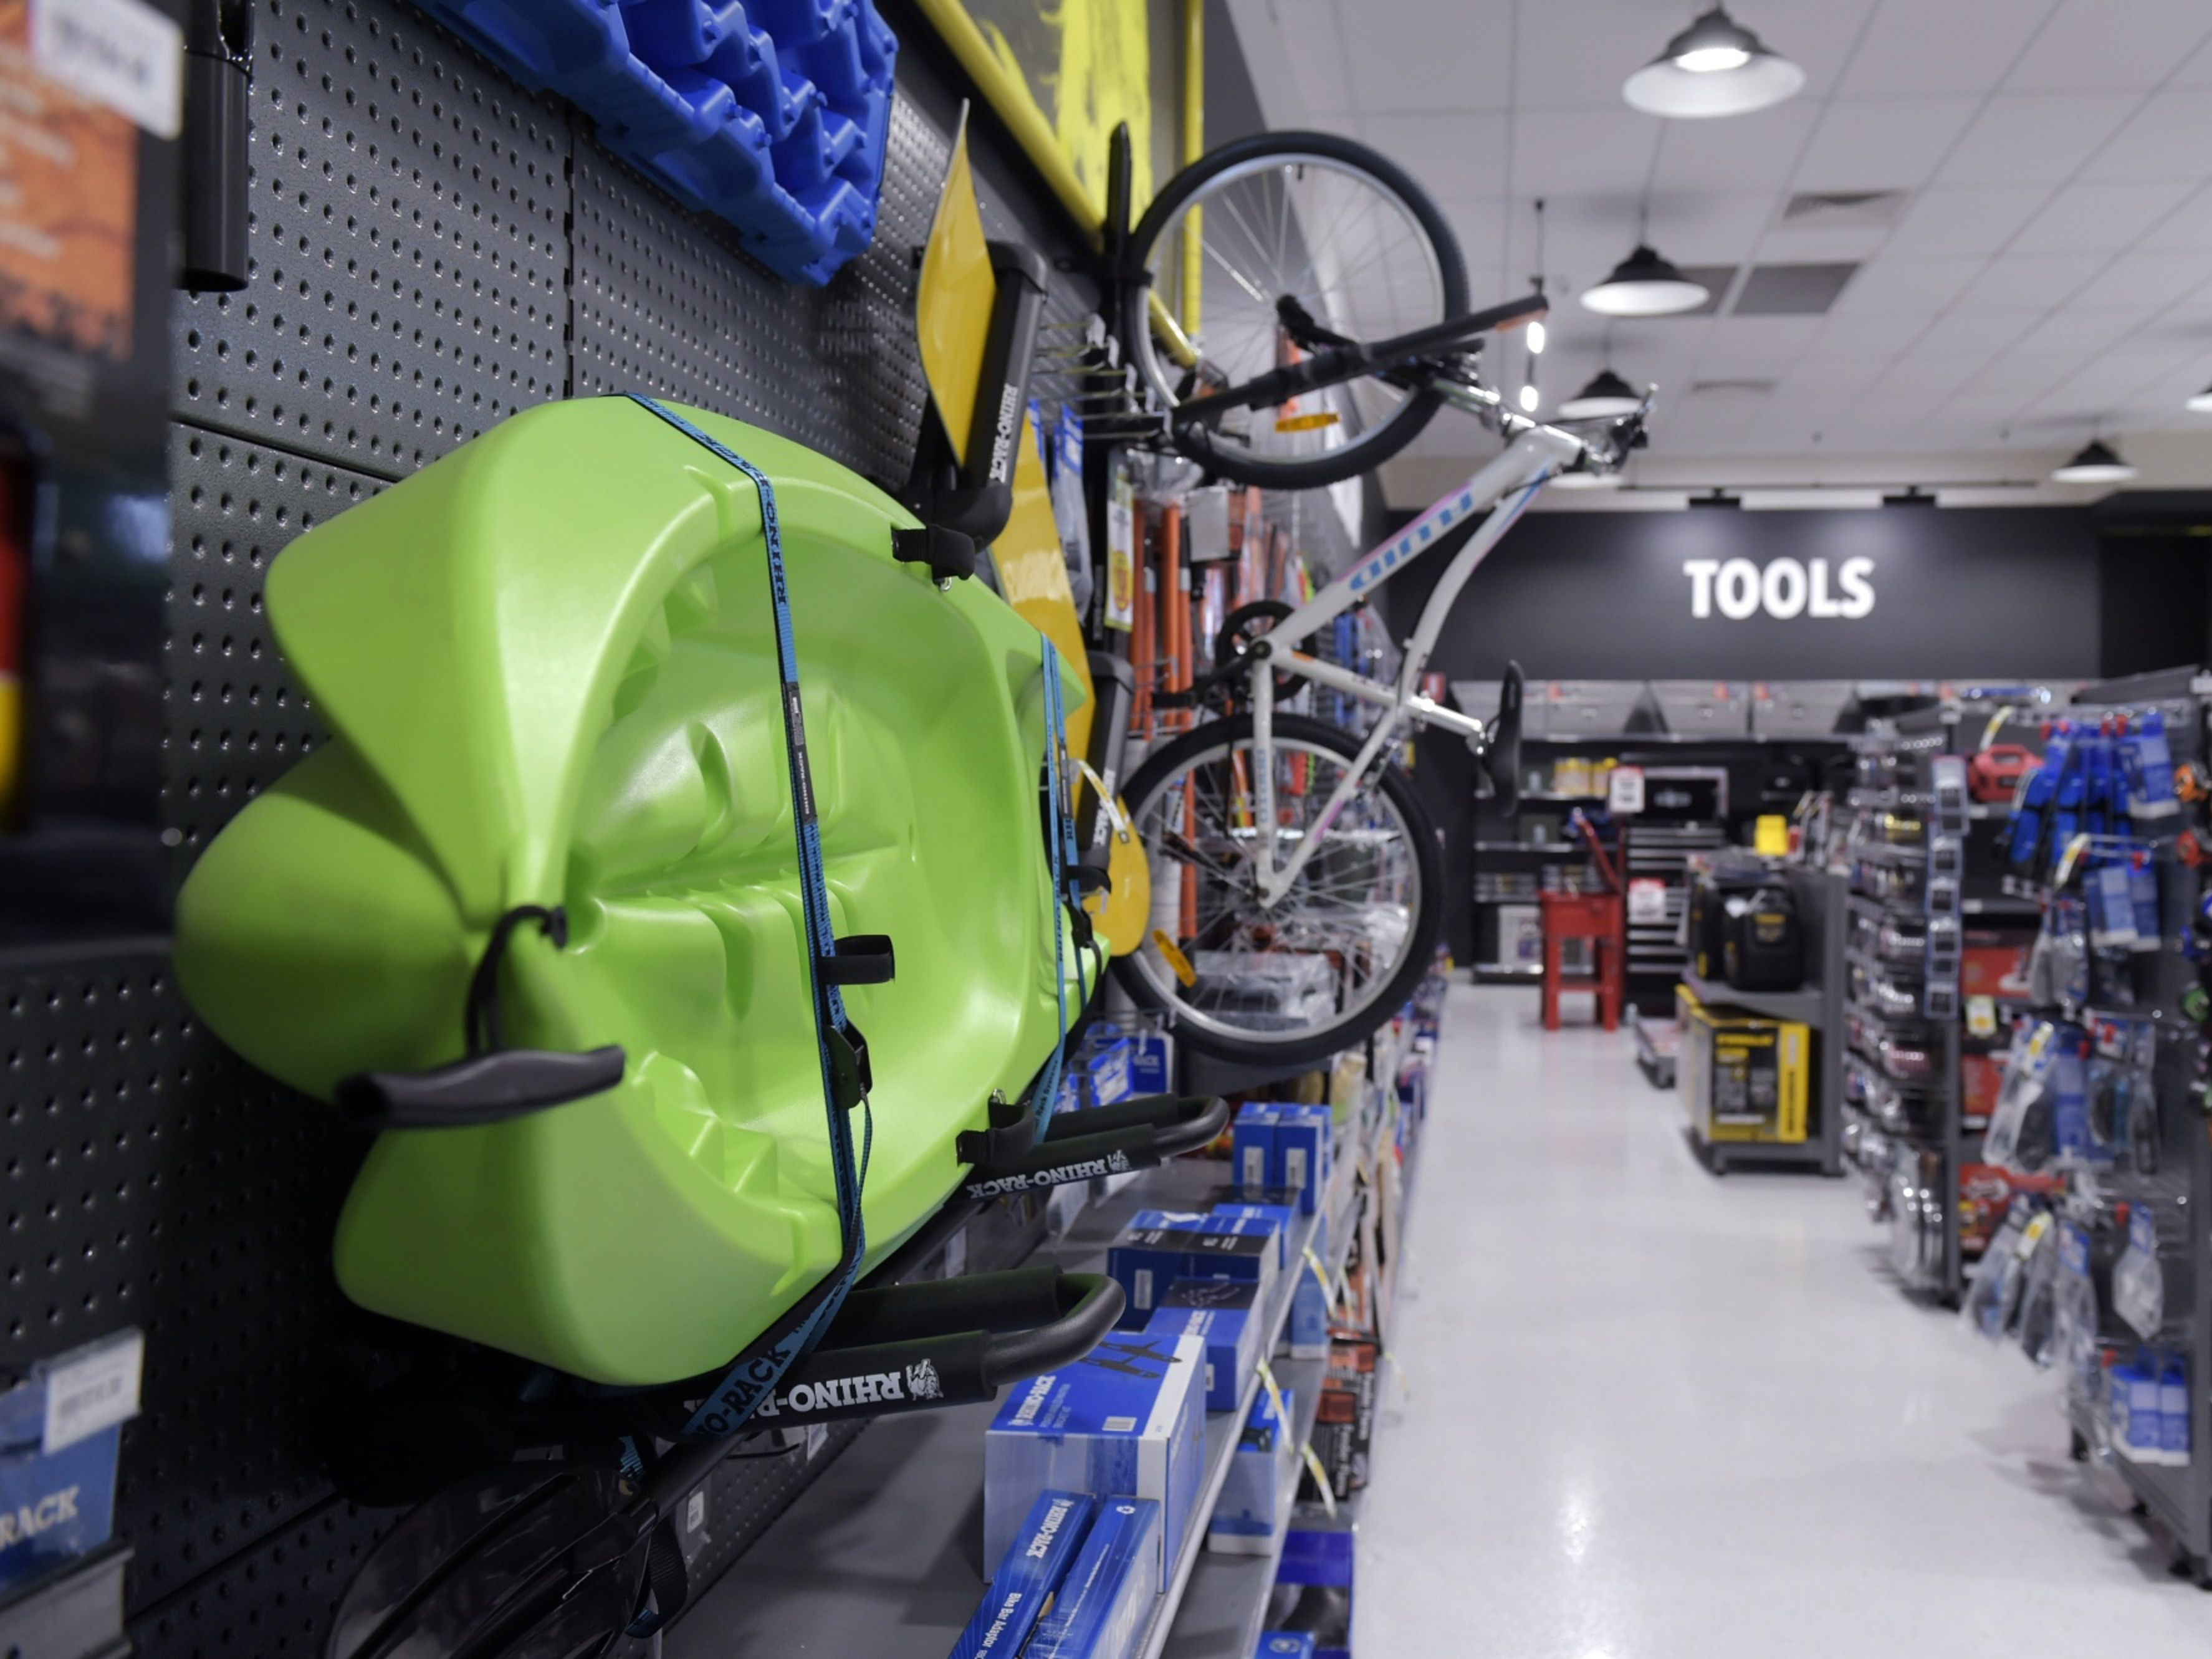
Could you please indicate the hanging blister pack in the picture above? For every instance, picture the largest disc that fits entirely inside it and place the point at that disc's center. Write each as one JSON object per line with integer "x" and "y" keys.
{"x": 2021, "y": 1136}
{"x": 2147, "y": 764}
{"x": 2139, "y": 1276}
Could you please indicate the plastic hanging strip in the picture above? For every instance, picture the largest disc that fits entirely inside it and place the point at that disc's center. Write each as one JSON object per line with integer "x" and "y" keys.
{"x": 843, "y": 1050}
{"x": 1060, "y": 839}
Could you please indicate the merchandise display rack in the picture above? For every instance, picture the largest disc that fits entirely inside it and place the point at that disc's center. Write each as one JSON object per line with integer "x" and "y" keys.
{"x": 1822, "y": 897}
{"x": 882, "y": 1554}
{"x": 2177, "y": 1498}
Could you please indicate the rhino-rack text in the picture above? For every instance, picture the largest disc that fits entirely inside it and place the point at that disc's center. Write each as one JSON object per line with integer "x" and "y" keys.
{"x": 919, "y": 1381}
{"x": 1083, "y": 1169}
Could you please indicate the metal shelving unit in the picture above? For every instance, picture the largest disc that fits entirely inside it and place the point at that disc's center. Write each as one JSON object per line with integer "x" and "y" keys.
{"x": 882, "y": 1555}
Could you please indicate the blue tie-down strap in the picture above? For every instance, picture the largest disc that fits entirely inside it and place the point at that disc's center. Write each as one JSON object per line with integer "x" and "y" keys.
{"x": 1060, "y": 842}
{"x": 772, "y": 115}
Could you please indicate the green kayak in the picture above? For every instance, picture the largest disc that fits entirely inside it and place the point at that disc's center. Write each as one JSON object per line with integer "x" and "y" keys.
{"x": 548, "y": 661}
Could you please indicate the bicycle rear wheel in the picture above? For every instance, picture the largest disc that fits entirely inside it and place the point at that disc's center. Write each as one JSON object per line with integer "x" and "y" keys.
{"x": 1343, "y": 949}
{"x": 1343, "y": 235}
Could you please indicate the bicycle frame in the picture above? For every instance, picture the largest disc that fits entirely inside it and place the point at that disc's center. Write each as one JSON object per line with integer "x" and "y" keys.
{"x": 1518, "y": 472}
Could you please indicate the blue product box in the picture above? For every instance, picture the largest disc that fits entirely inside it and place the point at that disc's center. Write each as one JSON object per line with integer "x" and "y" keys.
{"x": 1225, "y": 1316}
{"x": 1022, "y": 1586}
{"x": 1300, "y": 1157}
{"x": 1278, "y": 1217}
{"x": 1252, "y": 1145}
{"x": 61, "y": 1432}
{"x": 1146, "y": 1260}
{"x": 1284, "y": 1644}
{"x": 1254, "y": 1501}
{"x": 1106, "y": 1600}
{"x": 1128, "y": 1422}
{"x": 1318, "y": 1563}
{"x": 1307, "y": 1332}
{"x": 1151, "y": 1220}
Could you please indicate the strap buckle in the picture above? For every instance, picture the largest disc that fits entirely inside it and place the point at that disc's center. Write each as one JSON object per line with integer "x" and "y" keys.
{"x": 861, "y": 959}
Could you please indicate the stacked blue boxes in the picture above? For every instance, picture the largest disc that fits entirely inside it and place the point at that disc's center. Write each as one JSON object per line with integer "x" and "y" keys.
{"x": 1255, "y": 1496}
{"x": 1023, "y": 1585}
{"x": 1252, "y": 1144}
{"x": 773, "y": 114}
{"x": 1128, "y": 1421}
{"x": 1105, "y": 1601}
{"x": 1145, "y": 1261}
{"x": 1226, "y": 1317}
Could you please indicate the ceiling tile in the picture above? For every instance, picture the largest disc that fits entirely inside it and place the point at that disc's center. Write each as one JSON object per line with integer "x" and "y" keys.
{"x": 2023, "y": 371}
{"x": 2188, "y": 227}
{"x": 1460, "y": 154}
{"x": 2094, "y": 45}
{"x": 1956, "y": 45}
{"x": 1582, "y": 151}
{"x": 1798, "y": 245}
{"x": 2138, "y": 278}
{"x": 1879, "y": 338}
{"x": 2100, "y": 217}
{"x": 1919, "y": 379}
{"x": 1969, "y": 328}
{"x": 1950, "y": 220}
{"x": 1881, "y": 143}
{"x": 1429, "y": 58}
{"x": 1576, "y": 53}
{"x": 1480, "y": 228}
{"x": 2168, "y": 137}
{"x": 1888, "y": 285}
{"x": 1306, "y": 39}
{"x": 2035, "y": 138}
{"x": 1708, "y": 227}
{"x": 1745, "y": 152}
{"x": 1826, "y": 379}
{"x": 1765, "y": 346}
{"x": 2030, "y": 282}
{"x": 2083, "y": 329}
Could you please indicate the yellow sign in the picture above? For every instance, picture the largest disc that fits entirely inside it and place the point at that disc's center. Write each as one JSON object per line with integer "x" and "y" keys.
{"x": 954, "y": 298}
{"x": 1174, "y": 957}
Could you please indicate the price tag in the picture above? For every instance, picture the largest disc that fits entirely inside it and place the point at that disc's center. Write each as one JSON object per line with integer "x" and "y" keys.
{"x": 122, "y": 53}
{"x": 1624, "y": 791}
{"x": 92, "y": 1389}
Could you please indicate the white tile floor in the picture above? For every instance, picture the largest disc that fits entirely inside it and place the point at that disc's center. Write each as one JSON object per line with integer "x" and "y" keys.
{"x": 1654, "y": 1415}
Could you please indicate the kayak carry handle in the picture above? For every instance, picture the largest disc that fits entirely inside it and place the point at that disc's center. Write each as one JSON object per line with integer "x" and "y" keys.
{"x": 481, "y": 1089}
{"x": 1081, "y": 1145}
{"x": 861, "y": 959}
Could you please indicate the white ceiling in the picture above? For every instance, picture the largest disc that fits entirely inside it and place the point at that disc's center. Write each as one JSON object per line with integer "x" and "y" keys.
{"x": 2051, "y": 276}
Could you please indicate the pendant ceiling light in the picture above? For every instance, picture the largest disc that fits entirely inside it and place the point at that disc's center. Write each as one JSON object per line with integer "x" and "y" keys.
{"x": 2098, "y": 463}
{"x": 1646, "y": 285}
{"x": 2201, "y": 404}
{"x": 1714, "y": 67}
{"x": 1608, "y": 397}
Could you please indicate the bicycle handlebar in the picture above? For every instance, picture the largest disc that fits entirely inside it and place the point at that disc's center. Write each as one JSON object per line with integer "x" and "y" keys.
{"x": 1336, "y": 364}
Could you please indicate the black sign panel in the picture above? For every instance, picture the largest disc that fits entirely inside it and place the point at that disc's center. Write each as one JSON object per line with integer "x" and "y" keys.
{"x": 1892, "y": 592}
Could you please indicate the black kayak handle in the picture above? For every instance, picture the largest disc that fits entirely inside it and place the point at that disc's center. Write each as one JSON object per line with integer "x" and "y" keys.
{"x": 1091, "y": 1303}
{"x": 491, "y": 1088}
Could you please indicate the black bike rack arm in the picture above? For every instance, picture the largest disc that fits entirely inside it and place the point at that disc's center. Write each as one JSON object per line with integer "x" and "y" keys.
{"x": 1077, "y": 1145}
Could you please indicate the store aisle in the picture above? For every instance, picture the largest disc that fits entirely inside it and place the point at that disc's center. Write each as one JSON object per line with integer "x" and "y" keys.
{"x": 1655, "y": 1415}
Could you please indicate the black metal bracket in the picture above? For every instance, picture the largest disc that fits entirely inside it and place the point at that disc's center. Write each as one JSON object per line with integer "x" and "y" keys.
{"x": 1080, "y": 1145}
{"x": 948, "y": 553}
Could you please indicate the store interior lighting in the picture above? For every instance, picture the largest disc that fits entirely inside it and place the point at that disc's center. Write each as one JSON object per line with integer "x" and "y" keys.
{"x": 1714, "y": 67}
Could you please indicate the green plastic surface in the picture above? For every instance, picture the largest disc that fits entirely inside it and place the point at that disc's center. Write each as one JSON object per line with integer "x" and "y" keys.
{"x": 548, "y": 660}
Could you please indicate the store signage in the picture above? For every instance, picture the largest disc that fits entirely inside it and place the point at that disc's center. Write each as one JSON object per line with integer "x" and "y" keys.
{"x": 1783, "y": 588}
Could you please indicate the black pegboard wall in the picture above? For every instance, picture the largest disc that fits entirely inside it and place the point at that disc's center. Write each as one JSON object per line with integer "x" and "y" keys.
{"x": 407, "y": 276}
{"x": 433, "y": 248}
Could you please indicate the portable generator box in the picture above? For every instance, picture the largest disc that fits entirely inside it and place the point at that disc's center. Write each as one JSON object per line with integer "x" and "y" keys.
{"x": 1743, "y": 1079}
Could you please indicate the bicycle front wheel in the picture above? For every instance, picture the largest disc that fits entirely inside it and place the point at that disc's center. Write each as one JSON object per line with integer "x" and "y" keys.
{"x": 1338, "y": 954}
{"x": 1274, "y": 228}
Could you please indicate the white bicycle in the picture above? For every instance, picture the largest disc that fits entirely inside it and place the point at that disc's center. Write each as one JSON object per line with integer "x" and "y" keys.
{"x": 1297, "y": 881}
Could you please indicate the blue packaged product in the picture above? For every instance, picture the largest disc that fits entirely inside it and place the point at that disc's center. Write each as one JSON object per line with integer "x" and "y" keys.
{"x": 1225, "y": 1316}
{"x": 61, "y": 1435}
{"x": 2173, "y": 1410}
{"x": 1022, "y": 1587}
{"x": 1308, "y": 1330}
{"x": 1318, "y": 1562}
{"x": 1105, "y": 1601}
{"x": 2150, "y": 782}
{"x": 1124, "y": 1423}
{"x": 1300, "y": 1158}
{"x": 1150, "y": 1220}
{"x": 1278, "y": 1217}
{"x": 1146, "y": 1260}
{"x": 2143, "y": 893}
{"x": 1252, "y": 1145}
{"x": 2070, "y": 1095}
{"x": 2137, "y": 1433}
{"x": 1284, "y": 1644}
{"x": 1256, "y": 1493}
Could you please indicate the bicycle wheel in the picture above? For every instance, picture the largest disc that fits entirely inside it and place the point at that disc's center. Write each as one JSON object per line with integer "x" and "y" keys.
{"x": 1345, "y": 947}
{"x": 1337, "y": 231}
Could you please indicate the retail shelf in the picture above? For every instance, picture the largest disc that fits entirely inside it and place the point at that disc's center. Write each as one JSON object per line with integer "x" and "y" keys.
{"x": 1531, "y": 847}
{"x": 882, "y": 1555}
{"x": 1225, "y": 1606}
{"x": 1803, "y": 1005}
{"x": 1511, "y": 970}
{"x": 1673, "y": 739}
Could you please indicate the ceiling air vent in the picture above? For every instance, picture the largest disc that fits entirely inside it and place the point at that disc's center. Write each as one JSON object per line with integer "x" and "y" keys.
{"x": 1791, "y": 290}
{"x": 1824, "y": 209}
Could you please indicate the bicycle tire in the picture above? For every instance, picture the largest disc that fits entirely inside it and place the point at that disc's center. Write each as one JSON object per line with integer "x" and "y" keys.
{"x": 1371, "y": 448}
{"x": 1320, "y": 1042}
